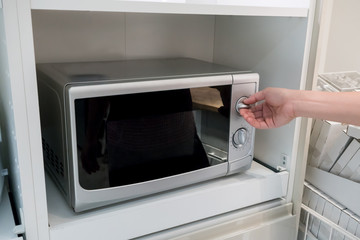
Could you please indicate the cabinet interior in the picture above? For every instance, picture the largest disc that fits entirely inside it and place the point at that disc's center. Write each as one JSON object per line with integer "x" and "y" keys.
{"x": 270, "y": 46}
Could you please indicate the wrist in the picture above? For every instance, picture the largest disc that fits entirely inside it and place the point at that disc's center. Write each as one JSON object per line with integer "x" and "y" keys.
{"x": 296, "y": 98}
{"x": 305, "y": 103}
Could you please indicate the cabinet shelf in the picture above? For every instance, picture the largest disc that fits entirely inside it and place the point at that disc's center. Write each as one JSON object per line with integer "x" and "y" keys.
{"x": 152, "y": 214}
{"x": 298, "y": 8}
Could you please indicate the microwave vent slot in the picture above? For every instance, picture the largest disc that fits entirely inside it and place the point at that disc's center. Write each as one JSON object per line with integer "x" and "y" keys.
{"x": 52, "y": 160}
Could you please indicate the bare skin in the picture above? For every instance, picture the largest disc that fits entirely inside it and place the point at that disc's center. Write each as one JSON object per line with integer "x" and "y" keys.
{"x": 276, "y": 107}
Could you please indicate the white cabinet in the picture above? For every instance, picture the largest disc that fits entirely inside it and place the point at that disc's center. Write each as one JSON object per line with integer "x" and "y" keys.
{"x": 275, "y": 223}
{"x": 297, "y": 8}
{"x": 272, "y": 38}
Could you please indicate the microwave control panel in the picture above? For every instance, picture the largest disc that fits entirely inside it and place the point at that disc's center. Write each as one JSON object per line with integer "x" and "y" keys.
{"x": 241, "y": 133}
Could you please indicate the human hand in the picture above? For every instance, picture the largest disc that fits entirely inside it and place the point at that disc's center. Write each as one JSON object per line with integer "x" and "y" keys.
{"x": 274, "y": 110}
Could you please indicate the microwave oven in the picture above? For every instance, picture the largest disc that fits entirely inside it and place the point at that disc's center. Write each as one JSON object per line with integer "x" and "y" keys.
{"x": 118, "y": 130}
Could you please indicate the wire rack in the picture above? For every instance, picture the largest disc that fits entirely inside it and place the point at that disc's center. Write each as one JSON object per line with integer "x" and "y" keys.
{"x": 335, "y": 231}
{"x": 316, "y": 224}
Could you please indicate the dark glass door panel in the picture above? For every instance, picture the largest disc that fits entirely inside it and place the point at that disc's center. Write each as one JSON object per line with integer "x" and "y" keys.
{"x": 133, "y": 138}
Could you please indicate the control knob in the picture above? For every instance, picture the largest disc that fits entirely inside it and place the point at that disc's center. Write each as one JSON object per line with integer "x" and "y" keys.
{"x": 240, "y": 137}
{"x": 240, "y": 104}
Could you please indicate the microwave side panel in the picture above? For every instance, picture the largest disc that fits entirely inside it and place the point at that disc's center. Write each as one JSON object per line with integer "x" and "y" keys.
{"x": 51, "y": 103}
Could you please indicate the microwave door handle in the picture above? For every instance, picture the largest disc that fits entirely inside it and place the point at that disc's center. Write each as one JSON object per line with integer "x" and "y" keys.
{"x": 223, "y": 159}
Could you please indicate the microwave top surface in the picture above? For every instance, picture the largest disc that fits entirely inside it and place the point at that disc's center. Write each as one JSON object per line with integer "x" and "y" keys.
{"x": 131, "y": 70}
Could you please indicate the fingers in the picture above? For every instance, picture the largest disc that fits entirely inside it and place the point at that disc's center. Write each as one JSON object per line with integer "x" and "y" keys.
{"x": 258, "y": 123}
{"x": 254, "y": 117}
{"x": 255, "y": 111}
{"x": 256, "y": 97}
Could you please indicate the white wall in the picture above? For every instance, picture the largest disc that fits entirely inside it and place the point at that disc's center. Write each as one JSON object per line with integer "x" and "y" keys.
{"x": 343, "y": 49}
{"x": 87, "y": 36}
{"x": 274, "y": 48}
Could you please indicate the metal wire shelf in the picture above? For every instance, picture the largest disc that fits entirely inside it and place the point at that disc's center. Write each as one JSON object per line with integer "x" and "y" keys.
{"x": 333, "y": 226}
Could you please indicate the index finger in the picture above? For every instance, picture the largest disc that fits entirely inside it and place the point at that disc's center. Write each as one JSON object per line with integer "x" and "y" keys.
{"x": 256, "y": 97}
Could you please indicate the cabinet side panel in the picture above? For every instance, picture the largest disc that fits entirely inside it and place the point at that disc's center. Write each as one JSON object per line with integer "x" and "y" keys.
{"x": 8, "y": 147}
{"x": 21, "y": 116}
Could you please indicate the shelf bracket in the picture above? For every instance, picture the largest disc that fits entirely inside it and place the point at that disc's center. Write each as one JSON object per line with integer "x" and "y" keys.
{"x": 4, "y": 172}
{"x": 280, "y": 168}
{"x": 20, "y": 229}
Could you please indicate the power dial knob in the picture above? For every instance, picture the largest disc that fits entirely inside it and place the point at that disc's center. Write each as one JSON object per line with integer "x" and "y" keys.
{"x": 240, "y": 137}
{"x": 240, "y": 104}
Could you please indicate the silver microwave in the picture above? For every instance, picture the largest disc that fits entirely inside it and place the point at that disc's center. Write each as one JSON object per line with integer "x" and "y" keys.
{"x": 118, "y": 130}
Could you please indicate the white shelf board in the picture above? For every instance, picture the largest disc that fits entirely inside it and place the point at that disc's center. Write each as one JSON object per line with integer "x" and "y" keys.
{"x": 295, "y": 8}
{"x": 341, "y": 189}
{"x": 167, "y": 210}
{"x": 7, "y": 222}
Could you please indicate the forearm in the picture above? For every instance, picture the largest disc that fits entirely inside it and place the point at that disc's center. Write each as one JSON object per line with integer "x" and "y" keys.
{"x": 340, "y": 106}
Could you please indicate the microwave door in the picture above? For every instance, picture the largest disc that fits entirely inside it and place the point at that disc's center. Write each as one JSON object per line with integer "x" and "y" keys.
{"x": 121, "y": 142}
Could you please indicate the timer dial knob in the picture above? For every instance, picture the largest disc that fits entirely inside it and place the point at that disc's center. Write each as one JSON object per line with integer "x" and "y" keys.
{"x": 240, "y": 104}
{"x": 240, "y": 137}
